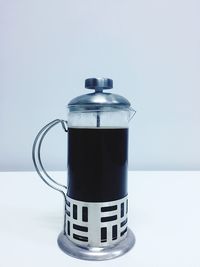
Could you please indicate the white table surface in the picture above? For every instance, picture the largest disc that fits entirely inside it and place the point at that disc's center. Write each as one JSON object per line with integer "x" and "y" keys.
{"x": 164, "y": 213}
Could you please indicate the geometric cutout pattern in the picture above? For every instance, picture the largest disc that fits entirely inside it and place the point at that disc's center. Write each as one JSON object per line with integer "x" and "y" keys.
{"x": 96, "y": 223}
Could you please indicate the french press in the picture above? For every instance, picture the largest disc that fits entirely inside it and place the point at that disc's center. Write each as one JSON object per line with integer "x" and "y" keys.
{"x": 96, "y": 196}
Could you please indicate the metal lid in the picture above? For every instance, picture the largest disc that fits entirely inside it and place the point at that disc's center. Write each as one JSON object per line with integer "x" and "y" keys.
{"x": 98, "y": 99}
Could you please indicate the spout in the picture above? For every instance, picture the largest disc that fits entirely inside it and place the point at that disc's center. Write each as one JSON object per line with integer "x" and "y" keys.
{"x": 131, "y": 113}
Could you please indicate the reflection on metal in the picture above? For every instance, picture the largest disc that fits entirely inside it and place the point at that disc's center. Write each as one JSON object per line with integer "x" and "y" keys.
{"x": 96, "y": 253}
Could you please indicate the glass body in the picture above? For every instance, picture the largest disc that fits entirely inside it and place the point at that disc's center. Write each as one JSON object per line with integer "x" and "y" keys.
{"x": 98, "y": 154}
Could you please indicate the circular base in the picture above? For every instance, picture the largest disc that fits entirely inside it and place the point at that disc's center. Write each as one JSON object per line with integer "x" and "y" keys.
{"x": 96, "y": 254}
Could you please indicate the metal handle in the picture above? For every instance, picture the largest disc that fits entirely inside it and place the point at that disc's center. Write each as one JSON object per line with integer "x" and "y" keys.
{"x": 36, "y": 154}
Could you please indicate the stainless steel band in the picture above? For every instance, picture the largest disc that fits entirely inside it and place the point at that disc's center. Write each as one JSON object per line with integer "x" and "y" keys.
{"x": 96, "y": 224}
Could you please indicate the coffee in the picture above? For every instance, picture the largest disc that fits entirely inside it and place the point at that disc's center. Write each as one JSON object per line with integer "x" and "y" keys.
{"x": 97, "y": 163}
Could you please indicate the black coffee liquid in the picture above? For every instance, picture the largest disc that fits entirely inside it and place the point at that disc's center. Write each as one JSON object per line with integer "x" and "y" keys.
{"x": 97, "y": 163}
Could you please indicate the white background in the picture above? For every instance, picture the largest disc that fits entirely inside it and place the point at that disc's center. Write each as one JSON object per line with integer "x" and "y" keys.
{"x": 150, "y": 48}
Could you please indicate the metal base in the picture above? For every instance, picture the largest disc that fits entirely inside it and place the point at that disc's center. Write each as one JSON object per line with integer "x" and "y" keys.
{"x": 96, "y": 254}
